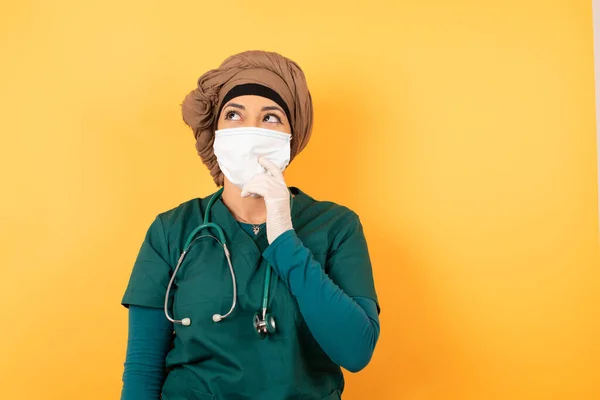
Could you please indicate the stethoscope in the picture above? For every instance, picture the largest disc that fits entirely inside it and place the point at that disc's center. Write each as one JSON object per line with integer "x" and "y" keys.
{"x": 264, "y": 323}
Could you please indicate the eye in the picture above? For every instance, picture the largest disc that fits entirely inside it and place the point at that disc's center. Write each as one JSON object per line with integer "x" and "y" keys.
{"x": 272, "y": 118}
{"x": 232, "y": 116}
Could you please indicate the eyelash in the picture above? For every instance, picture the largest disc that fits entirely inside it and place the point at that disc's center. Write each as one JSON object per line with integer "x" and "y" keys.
{"x": 273, "y": 115}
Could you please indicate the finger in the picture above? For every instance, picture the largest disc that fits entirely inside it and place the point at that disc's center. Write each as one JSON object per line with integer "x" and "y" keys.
{"x": 246, "y": 194}
{"x": 251, "y": 193}
{"x": 271, "y": 168}
{"x": 249, "y": 190}
{"x": 256, "y": 185}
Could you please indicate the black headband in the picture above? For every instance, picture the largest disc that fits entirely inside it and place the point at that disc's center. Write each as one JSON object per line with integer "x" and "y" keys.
{"x": 255, "y": 89}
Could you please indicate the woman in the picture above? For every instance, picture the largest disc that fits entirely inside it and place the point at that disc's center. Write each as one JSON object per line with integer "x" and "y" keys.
{"x": 207, "y": 320}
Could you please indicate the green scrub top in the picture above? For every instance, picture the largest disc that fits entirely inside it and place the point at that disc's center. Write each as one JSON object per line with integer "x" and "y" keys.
{"x": 228, "y": 360}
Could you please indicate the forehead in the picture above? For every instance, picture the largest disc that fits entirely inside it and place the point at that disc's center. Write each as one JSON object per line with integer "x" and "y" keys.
{"x": 252, "y": 101}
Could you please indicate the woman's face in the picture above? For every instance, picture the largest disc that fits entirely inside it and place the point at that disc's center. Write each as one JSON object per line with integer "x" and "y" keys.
{"x": 255, "y": 111}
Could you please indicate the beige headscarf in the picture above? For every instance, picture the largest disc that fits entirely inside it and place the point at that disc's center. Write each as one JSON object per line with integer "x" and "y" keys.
{"x": 265, "y": 68}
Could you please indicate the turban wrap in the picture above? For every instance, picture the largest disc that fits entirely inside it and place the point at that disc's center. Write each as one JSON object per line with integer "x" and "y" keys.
{"x": 269, "y": 69}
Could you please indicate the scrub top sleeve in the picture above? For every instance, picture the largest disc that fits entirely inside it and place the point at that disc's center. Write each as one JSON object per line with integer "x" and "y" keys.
{"x": 151, "y": 271}
{"x": 349, "y": 264}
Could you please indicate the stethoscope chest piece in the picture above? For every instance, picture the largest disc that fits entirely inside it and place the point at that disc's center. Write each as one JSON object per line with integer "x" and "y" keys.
{"x": 264, "y": 325}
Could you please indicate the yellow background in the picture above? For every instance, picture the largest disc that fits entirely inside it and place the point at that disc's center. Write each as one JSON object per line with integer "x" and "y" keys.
{"x": 462, "y": 132}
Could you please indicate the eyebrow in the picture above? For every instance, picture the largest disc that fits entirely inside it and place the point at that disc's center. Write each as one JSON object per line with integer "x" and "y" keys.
{"x": 235, "y": 105}
{"x": 271, "y": 108}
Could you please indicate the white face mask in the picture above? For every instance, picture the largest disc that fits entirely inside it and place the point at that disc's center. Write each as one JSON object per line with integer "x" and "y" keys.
{"x": 238, "y": 149}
